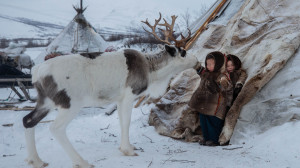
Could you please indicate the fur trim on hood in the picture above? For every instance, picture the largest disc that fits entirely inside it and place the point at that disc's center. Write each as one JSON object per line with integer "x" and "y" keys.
{"x": 219, "y": 60}
{"x": 235, "y": 60}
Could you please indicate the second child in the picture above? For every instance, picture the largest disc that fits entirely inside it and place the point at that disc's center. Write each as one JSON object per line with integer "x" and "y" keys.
{"x": 237, "y": 75}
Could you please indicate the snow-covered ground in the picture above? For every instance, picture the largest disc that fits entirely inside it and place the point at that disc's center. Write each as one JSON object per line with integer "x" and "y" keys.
{"x": 97, "y": 137}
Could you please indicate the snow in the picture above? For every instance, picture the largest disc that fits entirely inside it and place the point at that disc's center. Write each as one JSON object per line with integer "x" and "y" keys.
{"x": 97, "y": 136}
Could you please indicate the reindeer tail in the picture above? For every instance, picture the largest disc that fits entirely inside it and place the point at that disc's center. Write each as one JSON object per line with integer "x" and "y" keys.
{"x": 31, "y": 119}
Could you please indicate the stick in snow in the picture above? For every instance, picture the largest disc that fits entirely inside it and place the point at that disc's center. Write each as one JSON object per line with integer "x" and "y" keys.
{"x": 11, "y": 124}
{"x": 139, "y": 102}
{"x": 232, "y": 148}
{"x": 148, "y": 138}
{"x": 150, "y": 163}
{"x": 8, "y": 155}
{"x": 111, "y": 109}
{"x": 105, "y": 127}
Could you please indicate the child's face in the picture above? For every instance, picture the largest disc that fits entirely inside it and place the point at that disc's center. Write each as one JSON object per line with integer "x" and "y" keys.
{"x": 230, "y": 67}
{"x": 210, "y": 63}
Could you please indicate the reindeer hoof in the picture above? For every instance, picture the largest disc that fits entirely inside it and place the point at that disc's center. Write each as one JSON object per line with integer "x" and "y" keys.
{"x": 128, "y": 152}
{"x": 133, "y": 147}
{"x": 37, "y": 163}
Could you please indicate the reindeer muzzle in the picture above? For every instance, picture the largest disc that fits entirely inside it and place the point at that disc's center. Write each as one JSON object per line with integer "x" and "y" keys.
{"x": 183, "y": 53}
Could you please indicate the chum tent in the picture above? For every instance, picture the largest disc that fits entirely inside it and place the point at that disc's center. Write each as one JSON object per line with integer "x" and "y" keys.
{"x": 77, "y": 37}
{"x": 264, "y": 35}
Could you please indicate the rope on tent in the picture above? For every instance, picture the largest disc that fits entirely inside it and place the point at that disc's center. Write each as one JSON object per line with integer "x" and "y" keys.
{"x": 89, "y": 41}
{"x": 75, "y": 44}
{"x": 77, "y": 37}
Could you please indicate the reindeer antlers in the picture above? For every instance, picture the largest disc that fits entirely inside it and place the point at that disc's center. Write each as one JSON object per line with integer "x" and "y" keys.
{"x": 184, "y": 40}
{"x": 153, "y": 29}
{"x": 168, "y": 32}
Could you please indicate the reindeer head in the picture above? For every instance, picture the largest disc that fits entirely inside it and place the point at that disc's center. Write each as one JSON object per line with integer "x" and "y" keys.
{"x": 175, "y": 48}
{"x": 174, "y": 51}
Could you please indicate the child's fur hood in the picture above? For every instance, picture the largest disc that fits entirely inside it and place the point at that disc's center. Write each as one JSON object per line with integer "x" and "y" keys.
{"x": 219, "y": 60}
{"x": 235, "y": 60}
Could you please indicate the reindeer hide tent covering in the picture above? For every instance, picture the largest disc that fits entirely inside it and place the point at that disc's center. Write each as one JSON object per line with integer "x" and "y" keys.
{"x": 264, "y": 35}
{"x": 171, "y": 116}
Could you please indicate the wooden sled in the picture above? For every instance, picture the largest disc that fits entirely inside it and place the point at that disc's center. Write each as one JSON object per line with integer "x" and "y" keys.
{"x": 23, "y": 82}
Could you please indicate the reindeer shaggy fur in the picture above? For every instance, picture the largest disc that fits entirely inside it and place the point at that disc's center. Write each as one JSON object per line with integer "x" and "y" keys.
{"x": 73, "y": 81}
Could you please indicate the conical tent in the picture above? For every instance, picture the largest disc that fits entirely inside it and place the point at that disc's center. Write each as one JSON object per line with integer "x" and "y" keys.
{"x": 264, "y": 44}
{"x": 77, "y": 37}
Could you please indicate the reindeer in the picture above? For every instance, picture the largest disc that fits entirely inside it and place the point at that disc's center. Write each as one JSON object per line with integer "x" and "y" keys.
{"x": 70, "y": 82}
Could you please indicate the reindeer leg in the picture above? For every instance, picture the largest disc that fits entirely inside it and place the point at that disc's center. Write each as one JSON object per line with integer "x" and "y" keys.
{"x": 124, "y": 111}
{"x": 33, "y": 157}
{"x": 58, "y": 129}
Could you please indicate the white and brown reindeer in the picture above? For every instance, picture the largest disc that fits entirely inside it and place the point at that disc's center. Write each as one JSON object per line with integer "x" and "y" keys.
{"x": 70, "y": 82}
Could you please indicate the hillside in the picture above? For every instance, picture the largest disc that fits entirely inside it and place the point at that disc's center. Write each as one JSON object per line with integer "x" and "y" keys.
{"x": 36, "y": 19}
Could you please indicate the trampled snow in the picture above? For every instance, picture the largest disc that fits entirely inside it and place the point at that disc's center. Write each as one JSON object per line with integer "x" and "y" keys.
{"x": 97, "y": 137}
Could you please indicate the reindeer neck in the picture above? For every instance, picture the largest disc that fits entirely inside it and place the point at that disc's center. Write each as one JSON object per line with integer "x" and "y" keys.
{"x": 157, "y": 61}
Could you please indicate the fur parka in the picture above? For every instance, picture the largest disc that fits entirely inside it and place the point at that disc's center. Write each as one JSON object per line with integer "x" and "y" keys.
{"x": 238, "y": 76}
{"x": 214, "y": 92}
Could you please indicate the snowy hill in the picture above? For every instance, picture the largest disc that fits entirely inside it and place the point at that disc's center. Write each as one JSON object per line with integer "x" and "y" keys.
{"x": 34, "y": 18}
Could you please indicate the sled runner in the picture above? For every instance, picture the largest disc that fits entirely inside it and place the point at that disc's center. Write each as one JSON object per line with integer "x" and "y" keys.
{"x": 21, "y": 81}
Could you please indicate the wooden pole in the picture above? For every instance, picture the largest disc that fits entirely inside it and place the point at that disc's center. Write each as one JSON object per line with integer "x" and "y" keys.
{"x": 17, "y": 108}
{"x": 200, "y": 30}
{"x": 11, "y": 124}
{"x": 15, "y": 79}
{"x": 139, "y": 102}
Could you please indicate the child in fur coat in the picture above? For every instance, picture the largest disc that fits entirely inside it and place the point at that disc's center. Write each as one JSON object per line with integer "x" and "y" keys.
{"x": 211, "y": 98}
{"x": 237, "y": 75}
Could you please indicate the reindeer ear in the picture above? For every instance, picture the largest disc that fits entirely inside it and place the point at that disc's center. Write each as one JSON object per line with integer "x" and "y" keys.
{"x": 170, "y": 50}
